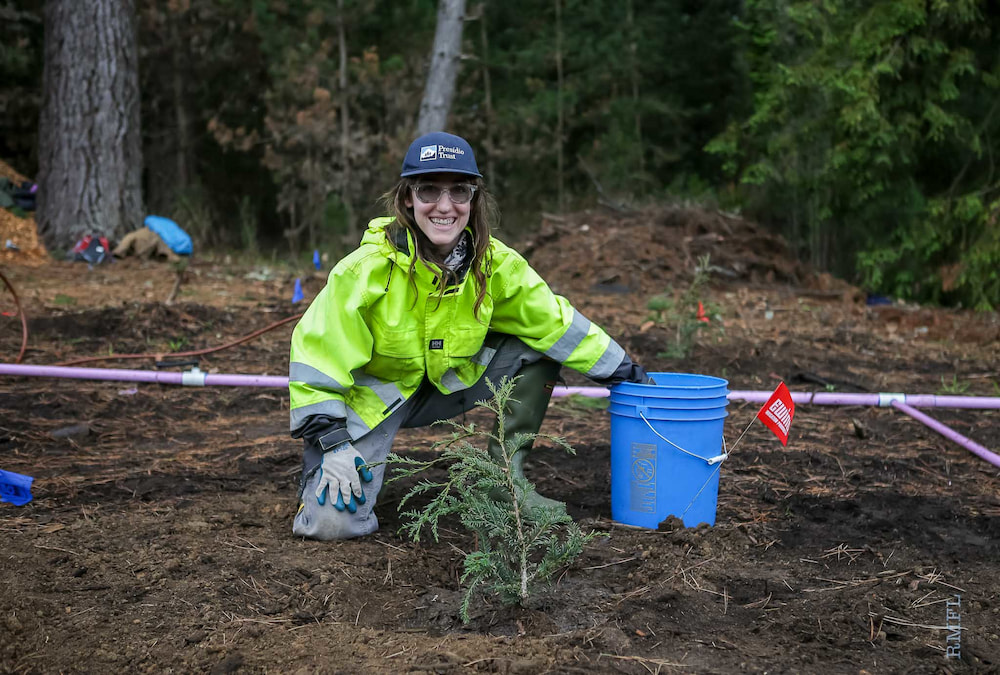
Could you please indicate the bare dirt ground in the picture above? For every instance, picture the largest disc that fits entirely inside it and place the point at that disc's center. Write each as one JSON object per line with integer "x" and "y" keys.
{"x": 159, "y": 538}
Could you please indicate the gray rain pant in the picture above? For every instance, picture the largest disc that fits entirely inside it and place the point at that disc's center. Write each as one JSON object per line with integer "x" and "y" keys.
{"x": 426, "y": 406}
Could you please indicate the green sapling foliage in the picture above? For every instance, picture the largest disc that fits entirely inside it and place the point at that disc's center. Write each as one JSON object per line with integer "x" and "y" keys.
{"x": 685, "y": 312}
{"x": 520, "y": 547}
{"x": 955, "y": 387}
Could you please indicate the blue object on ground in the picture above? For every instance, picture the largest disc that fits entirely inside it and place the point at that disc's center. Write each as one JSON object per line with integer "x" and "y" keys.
{"x": 171, "y": 233}
{"x": 317, "y": 263}
{"x": 878, "y": 300}
{"x": 15, "y": 488}
{"x": 297, "y": 293}
{"x": 666, "y": 445}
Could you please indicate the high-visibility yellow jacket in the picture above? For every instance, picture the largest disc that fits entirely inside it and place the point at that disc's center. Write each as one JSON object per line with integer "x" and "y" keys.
{"x": 371, "y": 336}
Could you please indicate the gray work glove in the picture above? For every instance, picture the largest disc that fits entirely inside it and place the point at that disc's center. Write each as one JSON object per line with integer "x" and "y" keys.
{"x": 342, "y": 471}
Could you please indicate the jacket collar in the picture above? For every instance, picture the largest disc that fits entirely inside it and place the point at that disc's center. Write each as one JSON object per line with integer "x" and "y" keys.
{"x": 399, "y": 237}
{"x": 393, "y": 241}
{"x": 398, "y": 243}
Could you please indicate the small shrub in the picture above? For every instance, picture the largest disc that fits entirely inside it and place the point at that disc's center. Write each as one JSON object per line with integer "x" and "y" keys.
{"x": 520, "y": 547}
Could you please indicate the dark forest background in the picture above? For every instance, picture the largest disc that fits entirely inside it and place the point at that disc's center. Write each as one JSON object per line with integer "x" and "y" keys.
{"x": 865, "y": 132}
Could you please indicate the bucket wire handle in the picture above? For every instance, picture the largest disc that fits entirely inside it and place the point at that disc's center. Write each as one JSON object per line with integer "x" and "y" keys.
{"x": 708, "y": 460}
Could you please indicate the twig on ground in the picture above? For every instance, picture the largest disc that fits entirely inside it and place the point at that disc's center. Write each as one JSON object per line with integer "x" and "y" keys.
{"x": 55, "y": 548}
{"x": 385, "y": 543}
{"x": 919, "y": 602}
{"x": 686, "y": 569}
{"x": 610, "y": 564}
{"x": 251, "y": 547}
{"x": 934, "y": 577}
{"x": 659, "y": 663}
{"x": 842, "y": 551}
{"x": 179, "y": 269}
{"x": 910, "y": 624}
{"x": 841, "y": 584}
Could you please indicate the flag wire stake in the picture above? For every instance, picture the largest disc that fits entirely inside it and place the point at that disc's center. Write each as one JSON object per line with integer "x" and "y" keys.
{"x": 727, "y": 452}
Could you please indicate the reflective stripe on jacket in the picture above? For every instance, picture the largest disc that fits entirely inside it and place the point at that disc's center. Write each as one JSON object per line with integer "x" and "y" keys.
{"x": 369, "y": 337}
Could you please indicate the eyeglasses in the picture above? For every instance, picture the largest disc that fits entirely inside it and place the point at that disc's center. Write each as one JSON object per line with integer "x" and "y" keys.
{"x": 429, "y": 193}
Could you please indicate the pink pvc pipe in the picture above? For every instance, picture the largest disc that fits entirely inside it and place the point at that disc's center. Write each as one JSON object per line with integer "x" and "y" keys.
{"x": 214, "y": 379}
{"x": 826, "y": 398}
{"x": 903, "y": 402}
{"x": 590, "y": 392}
{"x": 191, "y": 378}
{"x": 883, "y": 400}
{"x": 949, "y": 433}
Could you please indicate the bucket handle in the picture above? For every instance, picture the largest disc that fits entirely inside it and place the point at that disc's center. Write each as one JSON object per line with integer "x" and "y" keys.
{"x": 708, "y": 460}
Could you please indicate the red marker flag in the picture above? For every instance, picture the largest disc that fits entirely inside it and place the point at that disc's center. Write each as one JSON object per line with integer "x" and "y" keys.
{"x": 700, "y": 314}
{"x": 777, "y": 413}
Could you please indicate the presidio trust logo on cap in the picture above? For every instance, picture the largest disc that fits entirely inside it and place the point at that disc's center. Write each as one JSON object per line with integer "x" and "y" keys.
{"x": 431, "y": 152}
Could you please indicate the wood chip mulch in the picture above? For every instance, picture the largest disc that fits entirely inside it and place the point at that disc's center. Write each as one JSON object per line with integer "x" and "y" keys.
{"x": 22, "y": 232}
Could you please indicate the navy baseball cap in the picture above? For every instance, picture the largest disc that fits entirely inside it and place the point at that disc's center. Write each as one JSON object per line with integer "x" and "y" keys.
{"x": 439, "y": 152}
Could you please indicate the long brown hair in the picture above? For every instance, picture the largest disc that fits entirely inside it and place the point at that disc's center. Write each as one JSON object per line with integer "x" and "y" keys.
{"x": 483, "y": 216}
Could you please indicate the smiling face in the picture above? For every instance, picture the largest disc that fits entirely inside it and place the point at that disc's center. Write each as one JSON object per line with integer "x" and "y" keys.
{"x": 442, "y": 222}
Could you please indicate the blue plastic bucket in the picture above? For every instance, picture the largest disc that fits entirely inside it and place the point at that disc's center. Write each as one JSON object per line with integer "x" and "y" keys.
{"x": 666, "y": 445}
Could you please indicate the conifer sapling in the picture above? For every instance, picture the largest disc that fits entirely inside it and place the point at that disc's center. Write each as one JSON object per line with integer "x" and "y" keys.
{"x": 519, "y": 547}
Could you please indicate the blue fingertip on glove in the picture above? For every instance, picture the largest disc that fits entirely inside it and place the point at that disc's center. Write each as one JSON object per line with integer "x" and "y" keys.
{"x": 366, "y": 477}
{"x": 366, "y": 474}
{"x": 352, "y": 506}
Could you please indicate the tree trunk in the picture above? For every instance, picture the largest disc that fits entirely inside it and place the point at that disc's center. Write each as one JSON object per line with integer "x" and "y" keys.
{"x": 487, "y": 92}
{"x": 633, "y": 67}
{"x": 440, "y": 88}
{"x": 345, "y": 132}
{"x": 560, "y": 160}
{"x": 315, "y": 201}
{"x": 90, "y": 153}
{"x": 182, "y": 150}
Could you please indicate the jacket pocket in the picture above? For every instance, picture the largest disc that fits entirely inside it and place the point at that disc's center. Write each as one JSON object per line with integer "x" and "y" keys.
{"x": 400, "y": 344}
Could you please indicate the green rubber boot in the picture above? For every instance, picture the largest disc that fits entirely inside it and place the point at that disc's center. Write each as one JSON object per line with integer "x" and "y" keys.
{"x": 524, "y": 414}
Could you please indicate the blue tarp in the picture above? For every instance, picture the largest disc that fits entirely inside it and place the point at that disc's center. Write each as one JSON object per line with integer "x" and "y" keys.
{"x": 15, "y": 488}
{"x": 171, "y": 233}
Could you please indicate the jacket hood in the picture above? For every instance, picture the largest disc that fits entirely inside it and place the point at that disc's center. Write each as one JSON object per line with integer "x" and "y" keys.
{"x": 375, "y": 234}
{"x": 395, "y": 242}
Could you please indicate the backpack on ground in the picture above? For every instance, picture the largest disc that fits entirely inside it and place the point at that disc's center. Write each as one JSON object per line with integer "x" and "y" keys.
{"x": 91, "y": 249}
